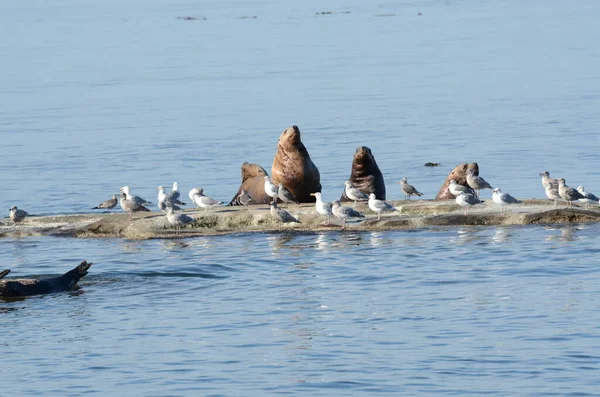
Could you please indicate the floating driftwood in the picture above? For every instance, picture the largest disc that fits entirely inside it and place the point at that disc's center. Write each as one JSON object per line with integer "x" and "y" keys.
{"x": 416, "y": 214}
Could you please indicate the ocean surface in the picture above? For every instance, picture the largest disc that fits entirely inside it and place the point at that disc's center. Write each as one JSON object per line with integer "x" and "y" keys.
{"x": 98, "y": 95}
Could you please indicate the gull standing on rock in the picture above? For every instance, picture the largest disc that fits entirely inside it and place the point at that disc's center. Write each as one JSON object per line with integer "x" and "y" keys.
{"x": 466, "y": 200}
{"x": 163, "y": 205}
{"x": 476, "y": 182}
{"x": 503, "y": 199}
{"x": 131, "y": 197}
{"x": 174, "y": 194}
{"x": 195, "y": 191}
{"x": 322, "y": 207}
{"x": 178, "y": 220}
{"x": 457, "y": 189}
{"x": 552, "y": 192}
{"x": 244, "y": 199}
{"x": 108, "y": 204}
{"x": 379, "y": 205}
{"x": 204, "y": 201}
{"x": 342, "y": 212}
{"x": 17, "y": 215}
{"x": 131, "y": 206}
{"x": 271, "y": 189}
{"x": 546, "y": 180}
{"x": 281, "y": 215}
{"x": 285, "y": 195}
{"x": 588, "y": 197}
{"x": 409, "y": 190}
{"x": 164, "y": 200}
{"x": 568, "y": 193}
{"x": 354, "y": 193}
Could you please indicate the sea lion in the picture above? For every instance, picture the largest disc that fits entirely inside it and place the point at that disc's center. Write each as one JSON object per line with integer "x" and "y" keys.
{"x": 253, "y": 184}
{"x": 459, "y": 175}
{"x": 293, "y": 167}
{"x": 365, "y": 174}
{"x": 33, "y": 286}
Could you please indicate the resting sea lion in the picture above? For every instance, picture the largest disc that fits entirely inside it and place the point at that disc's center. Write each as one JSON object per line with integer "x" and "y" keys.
{"x": 253, "y": 185}
{"x": 458, "y": 174}
{"x": 293, "y": 167}
{"x": 365, "y": 174}
{"x": 32, "y": 286}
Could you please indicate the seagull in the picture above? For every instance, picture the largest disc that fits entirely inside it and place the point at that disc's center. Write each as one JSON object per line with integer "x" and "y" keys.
{"x": 108, "y": 204}
{"x": 17, "y": 215}
{"x": 379, "y": 205}
{"x": 546, "y": 180}
{"x": 131, "y": 206}
{"x": 588, "y": 197}
{"x": 194, "y": 192}
{"x": 174, "y": 194}
{"x": 271, "y": 189}
{"x": 204, "y": 201}
{"x": 281, "y": 215}
{"x": 467, "y": 200}
{"x": 322, "y": 207}
{"x": 457, "y": 189}
{"x": 342, "y": 212}
{"x": 476, "y": 182}
{"x": 568, "y": 193}
{"x": 244, "y": 198}
{"x": 285, "y": 195}
{"x": 503, "y": 199}
{"x": 354, "y": 193}
{"x": 164, "y": 198}
{"x": 178, "y": 220}
{"x": 552, "y": 192}
{"x": 409, "y": 190}
{"x": 135, "y": 199}
{"x": 163, "y": 205}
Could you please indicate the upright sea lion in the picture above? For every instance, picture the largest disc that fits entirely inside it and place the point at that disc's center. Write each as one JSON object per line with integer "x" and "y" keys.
{"x": 293, "y": 167}
{"x": 33, "y": 286}
{"x": 365, "y": 174}
{"x": 458, "y": 174}
{"x": 253, "y": 185}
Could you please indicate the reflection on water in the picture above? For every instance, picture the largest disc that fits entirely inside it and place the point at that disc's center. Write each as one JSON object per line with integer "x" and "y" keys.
{"x": 567, "y": 233}
{"x": 502, "y": 234}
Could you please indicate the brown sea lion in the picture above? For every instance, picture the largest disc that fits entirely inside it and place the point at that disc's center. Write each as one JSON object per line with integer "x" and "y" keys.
{"x": 293, "y": 167}
{"x": 365, "y": 174}
{"x": 32, "y": 286}
{"x": 458, "y": 174}
{"x": 253, "y": 185}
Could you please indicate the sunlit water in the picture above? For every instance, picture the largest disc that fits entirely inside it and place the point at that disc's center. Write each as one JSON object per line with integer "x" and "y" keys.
{"x": 97, "y": 95}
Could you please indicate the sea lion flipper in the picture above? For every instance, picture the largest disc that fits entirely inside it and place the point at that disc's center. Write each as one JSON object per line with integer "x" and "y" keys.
{"x": 4, "y": 273}
{"x": 80, "y": 271}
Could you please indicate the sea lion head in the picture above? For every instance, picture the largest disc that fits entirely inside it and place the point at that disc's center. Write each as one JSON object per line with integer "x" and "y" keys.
{"x": 363, "y": 158}
{"x": 251, "y": 170}
{"x": 290, "y": 138}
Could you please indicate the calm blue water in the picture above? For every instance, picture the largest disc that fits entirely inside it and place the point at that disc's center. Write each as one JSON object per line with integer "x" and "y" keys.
{"x": 97, "y": 95}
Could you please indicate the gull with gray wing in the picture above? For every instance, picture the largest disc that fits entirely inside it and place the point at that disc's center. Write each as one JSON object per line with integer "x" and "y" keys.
{"x": 568, "y": 193}
{"x": 588, "y": 197}
{"x": 108, "y": 204}
{"x": 322, "y": 207}
{"x": 379, "y": 206}
{"x": 409, "y": 190}
{"x": 503, "y": 199}
{"x": 344, "y": 213}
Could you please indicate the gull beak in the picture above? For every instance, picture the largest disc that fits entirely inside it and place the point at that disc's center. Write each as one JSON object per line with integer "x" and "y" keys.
{"x": 312, "y": 194}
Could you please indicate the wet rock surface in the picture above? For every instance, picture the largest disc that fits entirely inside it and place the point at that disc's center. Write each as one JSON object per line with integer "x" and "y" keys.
{"x": 415, "y": 214}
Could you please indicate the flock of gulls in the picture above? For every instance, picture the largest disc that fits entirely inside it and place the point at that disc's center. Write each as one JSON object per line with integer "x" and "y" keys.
{"x": 466, "y": 197}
